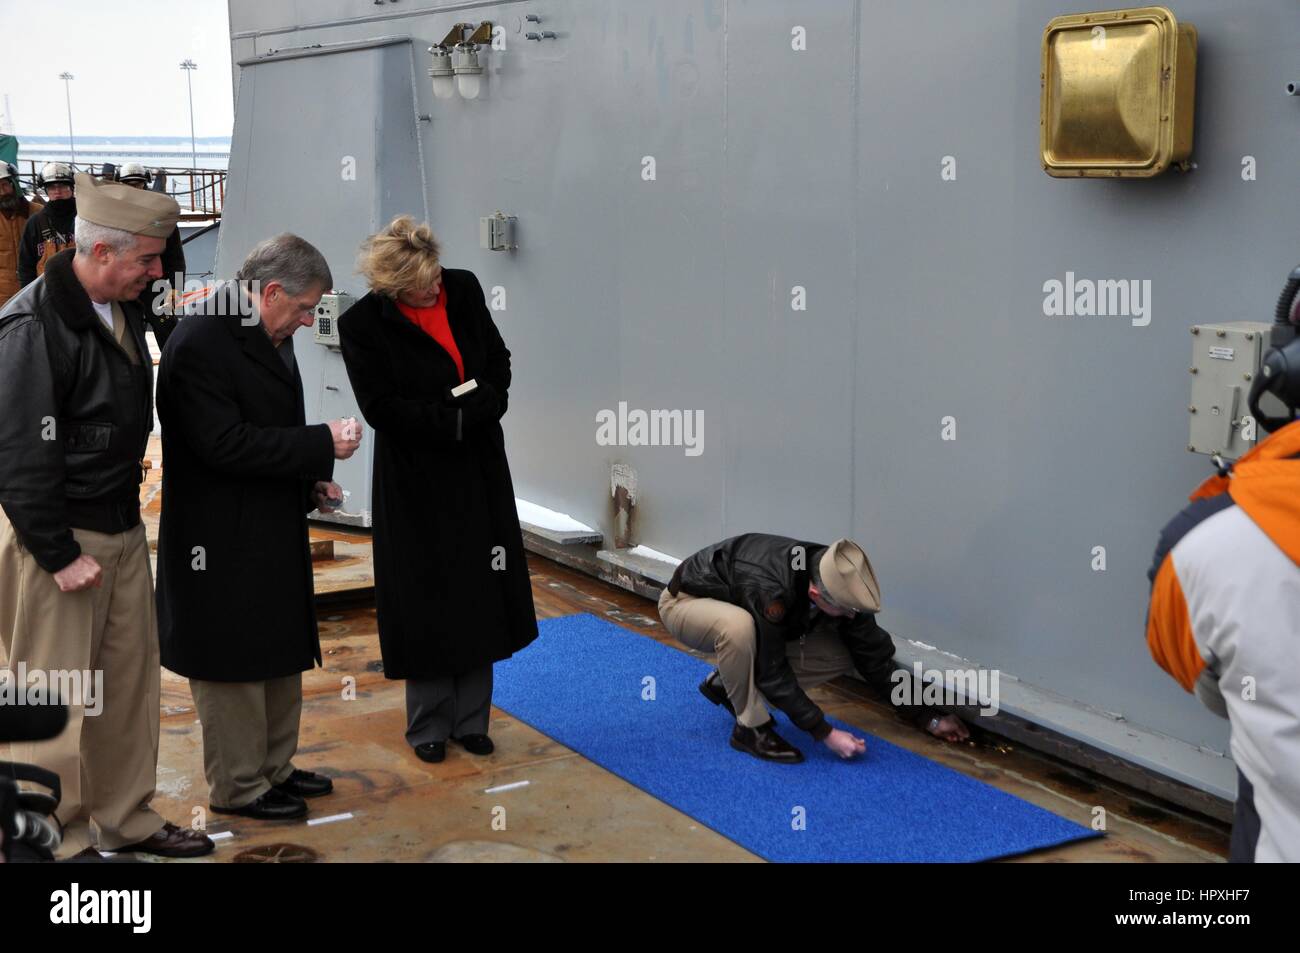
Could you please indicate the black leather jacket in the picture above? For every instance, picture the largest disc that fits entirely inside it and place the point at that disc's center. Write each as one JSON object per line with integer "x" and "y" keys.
{"x": 76, "y": 416}
{"x": 768, "y": 576}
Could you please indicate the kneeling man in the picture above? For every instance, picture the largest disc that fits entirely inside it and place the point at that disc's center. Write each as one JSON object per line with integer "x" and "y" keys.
{"x": 782, "y": 616}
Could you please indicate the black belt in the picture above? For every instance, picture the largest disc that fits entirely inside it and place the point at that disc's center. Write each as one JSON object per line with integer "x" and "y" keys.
{"x": 104, "y": 516}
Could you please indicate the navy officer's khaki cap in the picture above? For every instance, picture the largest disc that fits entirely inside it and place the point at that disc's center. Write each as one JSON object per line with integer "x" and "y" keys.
{"x": 119, "y": 206}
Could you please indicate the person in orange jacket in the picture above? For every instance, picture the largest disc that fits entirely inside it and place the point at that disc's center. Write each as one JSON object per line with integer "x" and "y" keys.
{"x": 1224, "y": 618}
{"x": 15, "y": 210}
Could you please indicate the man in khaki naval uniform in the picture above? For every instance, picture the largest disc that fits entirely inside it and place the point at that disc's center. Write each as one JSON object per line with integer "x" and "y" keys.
{"x": 783, "y": 615}
{"x": 76, "y": 593}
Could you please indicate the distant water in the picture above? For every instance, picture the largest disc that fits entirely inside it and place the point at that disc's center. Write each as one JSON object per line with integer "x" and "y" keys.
{"x": 170, "y": 151}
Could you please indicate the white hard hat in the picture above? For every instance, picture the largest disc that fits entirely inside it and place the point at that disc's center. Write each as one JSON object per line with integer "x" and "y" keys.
{"x": 133, "y": 171}
{"x": 55, "y": 173}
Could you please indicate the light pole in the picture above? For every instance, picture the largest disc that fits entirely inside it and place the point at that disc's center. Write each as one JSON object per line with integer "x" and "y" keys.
{"x": 67, "y": 93}
{"x": 189, "y": 67}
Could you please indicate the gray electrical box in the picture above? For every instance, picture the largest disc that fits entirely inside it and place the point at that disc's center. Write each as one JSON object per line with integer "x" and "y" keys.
{"x": 329, "y": 309}
{"x": 497, "y": 232}
{"x": 1225, "y": 360}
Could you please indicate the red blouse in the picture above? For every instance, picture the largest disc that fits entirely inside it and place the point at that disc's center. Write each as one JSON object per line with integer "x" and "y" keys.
{"x": 433, "y": 321}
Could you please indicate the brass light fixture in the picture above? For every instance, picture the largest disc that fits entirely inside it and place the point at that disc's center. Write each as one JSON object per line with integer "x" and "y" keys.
{"x": 1118, "y": 94}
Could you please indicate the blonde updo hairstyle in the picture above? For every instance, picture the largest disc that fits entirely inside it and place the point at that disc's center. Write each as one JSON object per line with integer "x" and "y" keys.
{"x": 401, "y": 258}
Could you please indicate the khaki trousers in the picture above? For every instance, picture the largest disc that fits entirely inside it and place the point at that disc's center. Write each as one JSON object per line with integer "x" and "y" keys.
{"x": 250, "y": 735}
{"x": 107, "y": 762}
{"x": 727, "y": 632}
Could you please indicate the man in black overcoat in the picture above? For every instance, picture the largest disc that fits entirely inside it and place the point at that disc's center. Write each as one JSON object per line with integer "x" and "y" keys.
{"x": 241, "y": 470}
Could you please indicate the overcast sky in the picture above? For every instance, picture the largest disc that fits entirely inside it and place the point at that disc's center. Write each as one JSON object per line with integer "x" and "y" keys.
{"x": 125, "y": 56}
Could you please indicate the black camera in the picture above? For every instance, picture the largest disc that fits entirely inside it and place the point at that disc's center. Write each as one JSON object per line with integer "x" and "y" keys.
{"x": 31, "y": 833}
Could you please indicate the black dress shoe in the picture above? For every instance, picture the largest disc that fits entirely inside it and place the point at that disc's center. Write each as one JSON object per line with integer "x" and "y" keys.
{"x": 476, "y": 744}
{"x": 274, "y": 805}
{"x": 763, "y": 742}
{"x": 712, "y": 689}
{"x": 306, "y": 784}
{"x": 433, "y": 752}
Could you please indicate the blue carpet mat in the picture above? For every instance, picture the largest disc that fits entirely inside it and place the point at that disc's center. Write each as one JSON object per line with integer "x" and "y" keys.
{"x": 582, "y": 683}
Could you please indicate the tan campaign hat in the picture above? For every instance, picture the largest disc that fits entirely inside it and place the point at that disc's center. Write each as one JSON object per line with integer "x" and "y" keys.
{"x": 848, "y": 578}
{"x": 119, "y": 206}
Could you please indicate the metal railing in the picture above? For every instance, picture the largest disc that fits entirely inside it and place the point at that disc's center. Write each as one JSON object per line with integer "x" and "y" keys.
{"x": 201, "y": 193}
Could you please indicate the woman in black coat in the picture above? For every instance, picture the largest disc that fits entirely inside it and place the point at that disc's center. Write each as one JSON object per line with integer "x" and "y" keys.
{"x": 451, "y": 581}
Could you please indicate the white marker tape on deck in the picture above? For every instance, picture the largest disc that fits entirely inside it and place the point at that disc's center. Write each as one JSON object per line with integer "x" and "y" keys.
{"x": 506, "y": 787}
{"x": 221, "y": 835}
{"x": 329, "y": 820}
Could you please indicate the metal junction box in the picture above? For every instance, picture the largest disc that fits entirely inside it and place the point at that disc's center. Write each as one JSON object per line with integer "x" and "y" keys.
{"x": 331, "y": 306}
{"x": 497, "y": 232}
{"x": 1225, "y": 360}
{"x": 1118, "y": 93}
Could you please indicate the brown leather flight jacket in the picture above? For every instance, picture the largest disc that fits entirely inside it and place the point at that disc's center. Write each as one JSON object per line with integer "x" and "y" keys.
{"x": 11, "y": 236}
{"x": 77, "y": 414}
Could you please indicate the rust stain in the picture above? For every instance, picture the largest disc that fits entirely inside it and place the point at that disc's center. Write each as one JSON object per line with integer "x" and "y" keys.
{"x": 277, "y": 854}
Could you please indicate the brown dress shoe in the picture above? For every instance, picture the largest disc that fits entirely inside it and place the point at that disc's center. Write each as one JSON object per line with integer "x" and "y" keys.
{"x": 172, "y": 841}
{"x": 87, "y": 855}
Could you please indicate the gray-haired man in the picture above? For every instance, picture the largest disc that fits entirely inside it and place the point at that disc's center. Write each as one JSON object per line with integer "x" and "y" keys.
{"x": 76, "y": 596}
{"x": 241, "y": 470}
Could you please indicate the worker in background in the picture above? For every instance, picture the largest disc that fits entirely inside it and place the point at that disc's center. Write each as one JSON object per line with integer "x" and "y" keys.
{"x": 15, "y": 210}
{"x": 236, "y": 611}
{"x": 158, "y": 299}
{"x": 1224, "y": 618}
{"x": 50, "y": 230}
{"x": 76, "y": 591}
{"x": 783, "y": 616}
